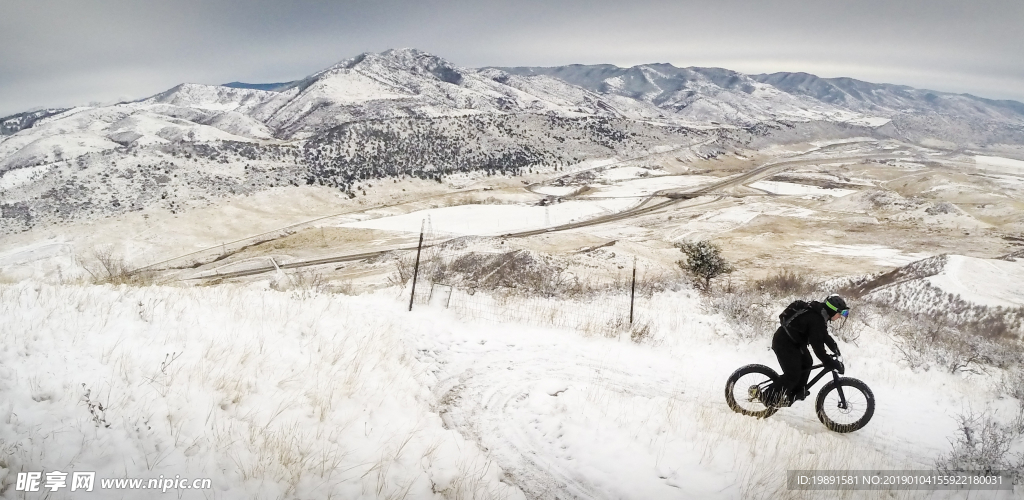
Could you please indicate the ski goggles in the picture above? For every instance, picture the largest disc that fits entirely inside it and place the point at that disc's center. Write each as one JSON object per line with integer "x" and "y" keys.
{"x": 845, "y": 312}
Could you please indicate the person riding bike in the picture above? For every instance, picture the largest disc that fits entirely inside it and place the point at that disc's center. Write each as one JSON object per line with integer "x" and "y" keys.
{"x": 808, "y": 325}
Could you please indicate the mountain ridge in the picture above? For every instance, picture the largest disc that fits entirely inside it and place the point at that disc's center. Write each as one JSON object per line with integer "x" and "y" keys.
{"x": 728, "y": 96}
{"x": 408, "y": 113}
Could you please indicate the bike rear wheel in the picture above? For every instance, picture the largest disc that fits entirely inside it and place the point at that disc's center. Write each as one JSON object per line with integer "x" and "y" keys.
{"x": 848, "y": 413}
{"x": 741, "y": 390}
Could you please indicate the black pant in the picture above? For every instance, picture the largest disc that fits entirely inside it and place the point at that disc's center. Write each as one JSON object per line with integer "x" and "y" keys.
{"x": 796, "y": 362}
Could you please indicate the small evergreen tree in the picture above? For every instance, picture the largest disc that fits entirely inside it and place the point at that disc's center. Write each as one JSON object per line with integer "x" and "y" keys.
{"x": 704, "y": 261}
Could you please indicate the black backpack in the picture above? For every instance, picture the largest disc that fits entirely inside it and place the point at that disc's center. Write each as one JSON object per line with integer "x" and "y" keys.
{"x": 794, "y": 309}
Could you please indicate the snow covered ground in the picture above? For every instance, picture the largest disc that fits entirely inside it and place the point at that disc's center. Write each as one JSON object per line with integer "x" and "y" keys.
{"x": 556, "y": 190}
{"x": 647, "y": 186}
{"x": 880, "y": 254}
{"x": 986, "y": 282}
{"x": 723, "y": 220}
{"x": 789, "y": 188}
{"x": 267, "y": 395}
{"x": 290, "y": 395}
{"x": 998, "y": 164}
{"x": 625, "y": 173}
{"x": 492, "y": 220}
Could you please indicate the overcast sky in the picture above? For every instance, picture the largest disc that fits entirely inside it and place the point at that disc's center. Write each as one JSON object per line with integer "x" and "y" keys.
{"x": 70, "y": 52}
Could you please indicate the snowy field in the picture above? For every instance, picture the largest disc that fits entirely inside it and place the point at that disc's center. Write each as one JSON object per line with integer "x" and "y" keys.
{"x": 557, "y": 190}
{"x": 289, "y": 395}
{"x": 647, "y": 186}
{"x": 723, "y": 220}
{"x": 791, "y": 189}
{"x": 986, "y": 282}
{"x": 998, "y": 164}
{"x": 881, "y": 255}
{"x": 491, "y": 220}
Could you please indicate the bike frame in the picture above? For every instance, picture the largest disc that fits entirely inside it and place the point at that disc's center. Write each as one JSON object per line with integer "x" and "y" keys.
{"x": 835, "y": 377}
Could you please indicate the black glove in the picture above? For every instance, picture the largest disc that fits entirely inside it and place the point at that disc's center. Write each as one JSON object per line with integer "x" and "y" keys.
{"x": 834, "y": 364}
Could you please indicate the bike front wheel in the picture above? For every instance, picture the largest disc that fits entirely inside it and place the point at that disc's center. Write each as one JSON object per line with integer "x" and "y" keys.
{"x": 743, "y": 388}
{"x": 845, "y": 405}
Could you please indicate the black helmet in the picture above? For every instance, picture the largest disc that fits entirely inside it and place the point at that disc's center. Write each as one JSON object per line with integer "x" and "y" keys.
{"x": 835, "y": 304}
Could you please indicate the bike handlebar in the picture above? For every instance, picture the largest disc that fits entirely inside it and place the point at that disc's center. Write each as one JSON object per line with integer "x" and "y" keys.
{"x": 837, "y": 359}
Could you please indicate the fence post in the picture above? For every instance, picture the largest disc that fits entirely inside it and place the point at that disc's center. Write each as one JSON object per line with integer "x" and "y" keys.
{"x": 632, "y": 293}
{"x": 416, "y": 269}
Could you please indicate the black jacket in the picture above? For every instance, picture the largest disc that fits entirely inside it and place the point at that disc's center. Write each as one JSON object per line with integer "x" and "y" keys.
{"x": 811, "y": 328}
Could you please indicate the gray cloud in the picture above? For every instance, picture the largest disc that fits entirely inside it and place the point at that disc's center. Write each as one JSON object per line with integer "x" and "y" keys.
{"x": 64, "y": 52}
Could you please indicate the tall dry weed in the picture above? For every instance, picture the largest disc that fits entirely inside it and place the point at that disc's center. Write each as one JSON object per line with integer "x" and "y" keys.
{"x": 109, "y": 267}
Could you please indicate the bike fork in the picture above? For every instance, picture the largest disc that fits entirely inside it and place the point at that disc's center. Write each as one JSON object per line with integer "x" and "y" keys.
{"x": 839, "y": 389}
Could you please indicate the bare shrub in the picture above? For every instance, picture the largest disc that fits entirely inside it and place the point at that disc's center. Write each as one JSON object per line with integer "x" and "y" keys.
{"x": 786, "y": 283}
{"x": 747, "y": 310}
{"x": 993, "y": 326}
{"x": 924, "y": 340}
{"x": 753, "y": 307}
{"x": 113, "y": 269}
{"x": 849, "y": 330}
{"x": 959, "y": 338}
{"x": 649, "y": 284}
{"x": 96, "y": 409}
{"x": 640, "y": 333}
{"x": 520, "y": 271}
{"x": 403, "y": 270}
{"x": 982, "y": 444}
{"x": 302, "y": 284}
{"x": 345, "y": 288}
{"x": 1012, "y": 383}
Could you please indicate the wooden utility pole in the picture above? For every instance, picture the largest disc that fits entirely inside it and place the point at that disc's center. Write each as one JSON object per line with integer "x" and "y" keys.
{"x": 632, "y": 293}
{"x": 416, "y": 269}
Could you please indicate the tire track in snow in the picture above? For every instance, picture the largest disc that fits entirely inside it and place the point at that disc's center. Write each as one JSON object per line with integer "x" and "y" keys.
{"x": 489, "y": 395}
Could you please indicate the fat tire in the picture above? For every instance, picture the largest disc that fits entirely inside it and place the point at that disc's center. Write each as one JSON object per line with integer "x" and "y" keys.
{"x": 731, "y": 383}
{"x": 851, "y": 383}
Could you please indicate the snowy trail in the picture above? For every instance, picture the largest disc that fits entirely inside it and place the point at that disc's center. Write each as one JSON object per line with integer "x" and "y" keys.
{"x": 566, "y": 417}
{"x": 531, "y": 404}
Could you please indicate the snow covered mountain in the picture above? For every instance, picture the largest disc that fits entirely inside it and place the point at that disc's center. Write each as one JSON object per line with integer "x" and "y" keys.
{"x": 392, "y": 84}
{"x": 890, "y": 99}
{"x": 721, "y": 95}
{"x": 700, "y": 95}
{"x": 408, "y": 113}
{"x": 408, "y": 83}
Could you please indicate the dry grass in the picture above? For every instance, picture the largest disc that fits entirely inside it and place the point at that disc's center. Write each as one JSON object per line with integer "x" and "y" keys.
{"x": 303, "y": 284}
{"x": 271, "y": 387}
{"x": 110, "y": 268}
{"x": 472, "y": 482}
{"x": 641, "y": 333}
{"x": 517, "y": 271}
{"x": 775, "y": 448}
{"x": 787, "y": 283}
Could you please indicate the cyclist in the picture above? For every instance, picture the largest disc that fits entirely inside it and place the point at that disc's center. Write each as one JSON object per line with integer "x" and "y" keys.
{"x": 806, "y": 326}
